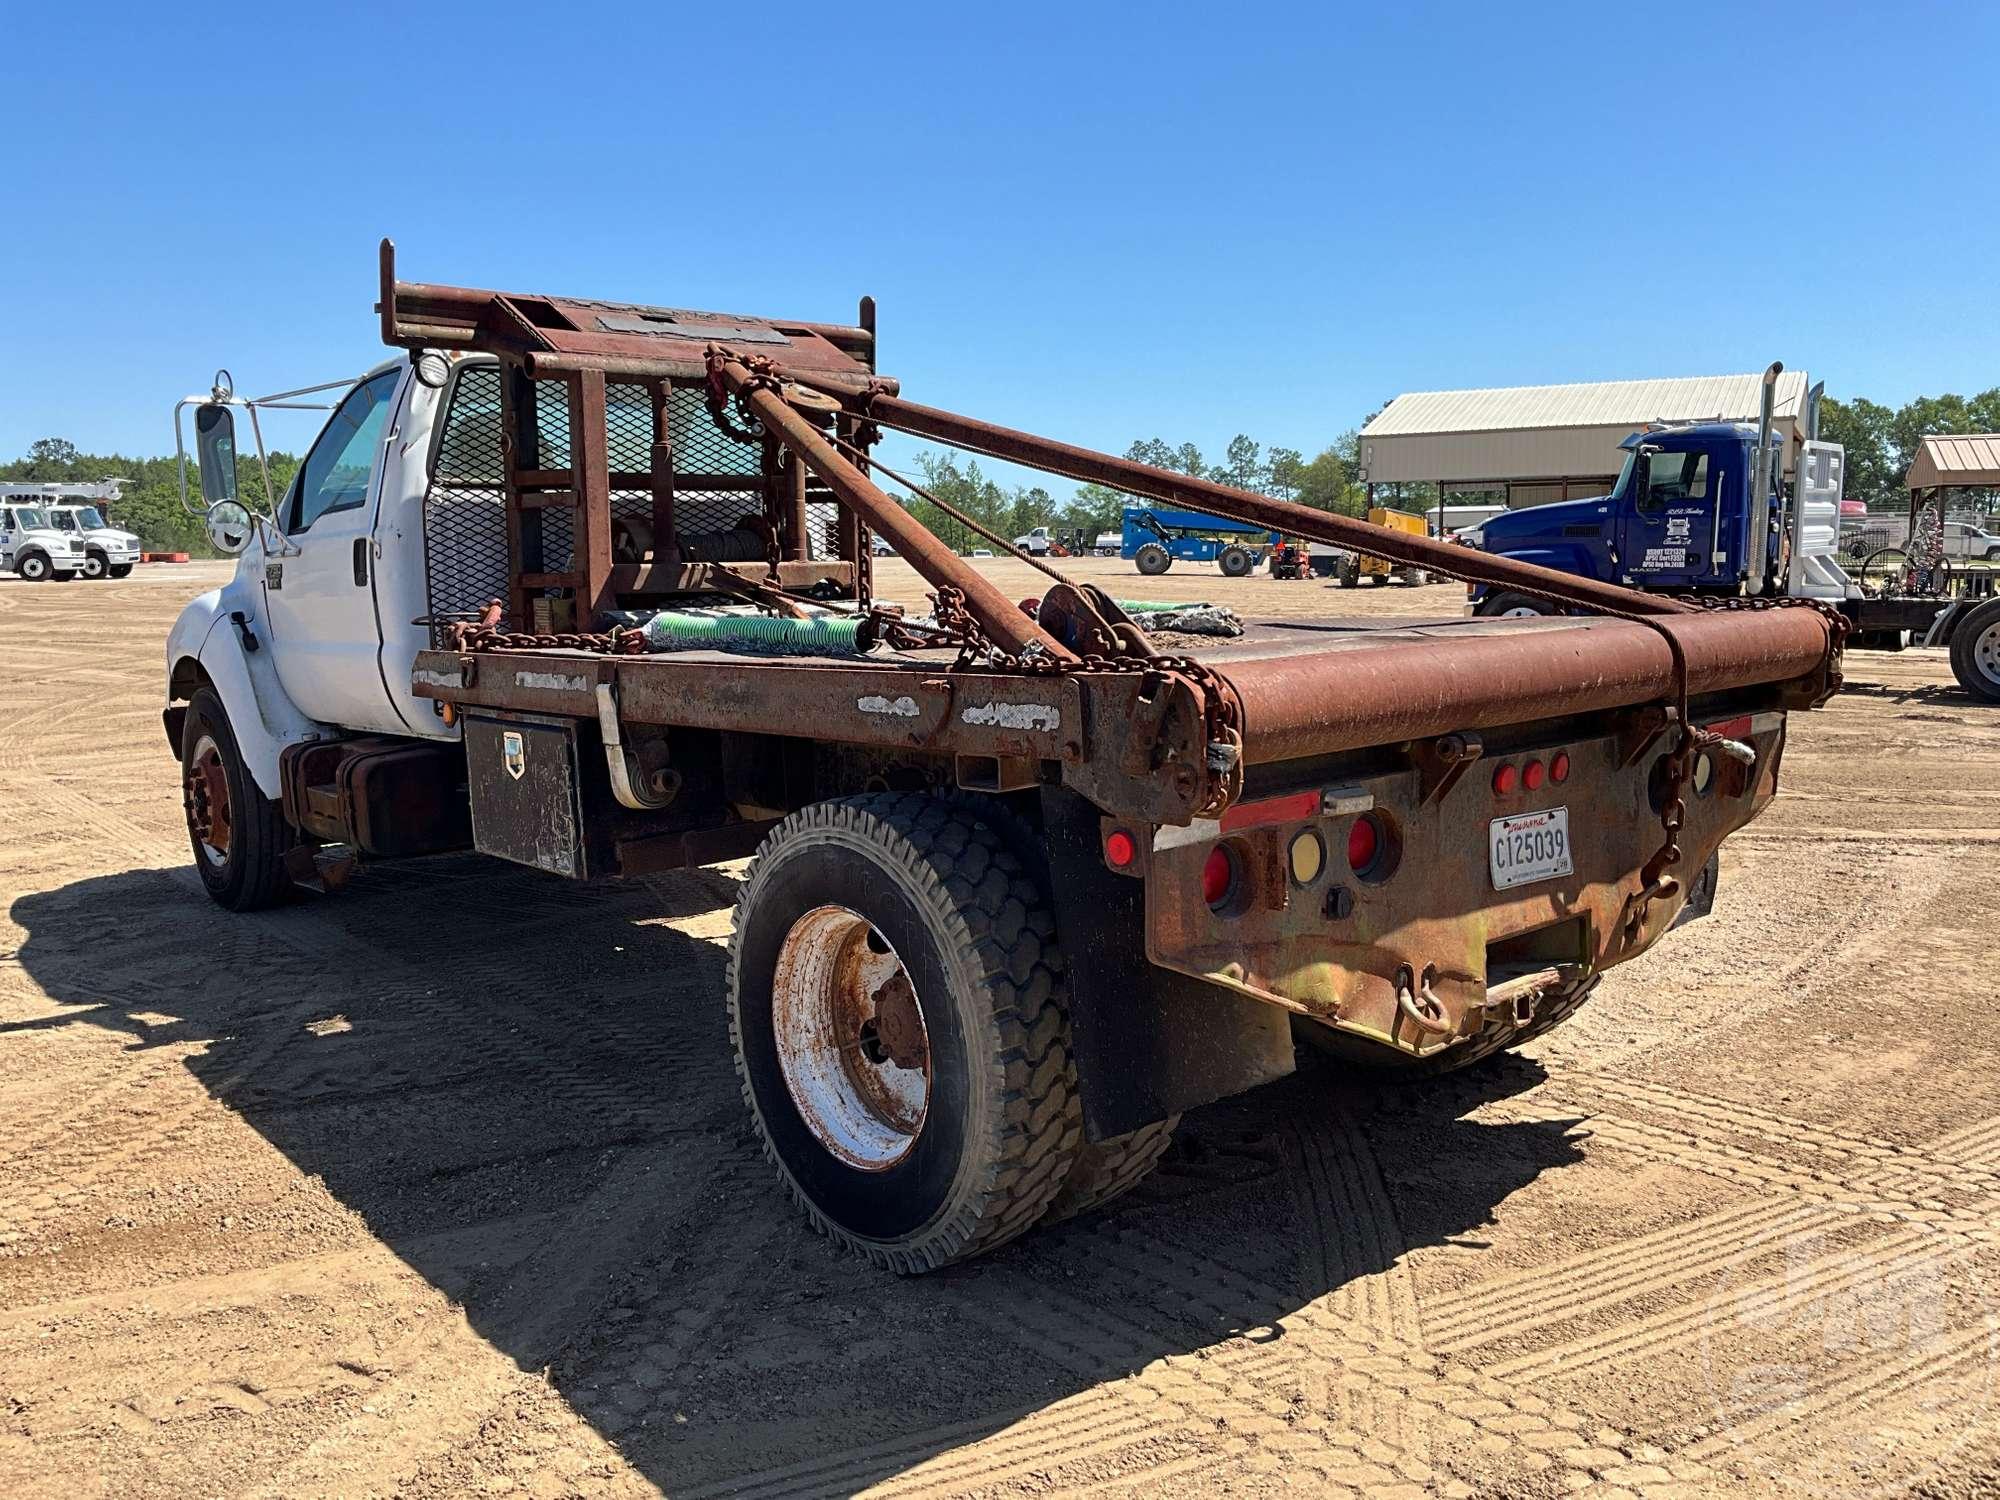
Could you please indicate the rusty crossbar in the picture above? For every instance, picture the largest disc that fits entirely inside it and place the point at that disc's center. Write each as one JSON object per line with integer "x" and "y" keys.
{"x": 1185, "y": 490}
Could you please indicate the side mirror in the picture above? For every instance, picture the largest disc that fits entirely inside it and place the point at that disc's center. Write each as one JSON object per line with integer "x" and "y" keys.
{"x": 229, "y": 524}
{"x": 215, "y": 455}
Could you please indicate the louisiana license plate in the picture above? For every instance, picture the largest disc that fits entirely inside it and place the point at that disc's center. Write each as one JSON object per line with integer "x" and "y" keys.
{"x": 1531, "y": 847}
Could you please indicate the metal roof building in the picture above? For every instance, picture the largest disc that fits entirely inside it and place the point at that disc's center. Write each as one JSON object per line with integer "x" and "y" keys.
{"x": 1550, "y": 442}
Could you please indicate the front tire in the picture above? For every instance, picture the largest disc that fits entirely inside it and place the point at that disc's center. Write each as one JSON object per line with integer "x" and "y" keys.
{"x": 33, "y": 568}
{"x": 1153, "y": 559}
{"x": 237, "y": 834}
{"x": 1235, "y": 562}
{"x": 1509, "y": 605}
{"x": 94, "y": 565}
{"x": 896, "y": 1005}
{"x": 121, "y": 570}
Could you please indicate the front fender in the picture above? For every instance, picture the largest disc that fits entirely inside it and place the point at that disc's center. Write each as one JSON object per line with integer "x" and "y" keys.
{"x": 262, "y": 717}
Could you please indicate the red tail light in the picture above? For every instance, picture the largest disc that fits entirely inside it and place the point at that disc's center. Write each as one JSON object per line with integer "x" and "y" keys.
{"x": 1505, "y": 779}
{"x": 1218, "y": 875}
{"x": 1531, "y": 776}
{"x": 1120, "y": 849}
{"x": 1363, "y": 844}
{"x": 1559, "y": 767}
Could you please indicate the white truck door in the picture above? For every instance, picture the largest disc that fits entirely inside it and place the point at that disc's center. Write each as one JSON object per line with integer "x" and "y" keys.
{"x": 321, "y": 603}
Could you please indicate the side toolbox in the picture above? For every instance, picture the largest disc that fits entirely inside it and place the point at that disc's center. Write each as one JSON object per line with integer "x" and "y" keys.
{"x": 531, "y": 779}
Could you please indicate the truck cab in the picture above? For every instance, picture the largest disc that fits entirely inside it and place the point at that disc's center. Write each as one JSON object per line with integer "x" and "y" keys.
{"x": 32, "y": 547}
{"x": 1678, "y": 518}
{"x": 108, "y": 552}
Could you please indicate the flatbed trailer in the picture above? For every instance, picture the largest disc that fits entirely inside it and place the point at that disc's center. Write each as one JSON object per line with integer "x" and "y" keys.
{"x": 1026, "y": 884}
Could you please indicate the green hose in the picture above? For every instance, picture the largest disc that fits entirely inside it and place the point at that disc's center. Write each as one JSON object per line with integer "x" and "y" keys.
{"x": 823, "y": 635}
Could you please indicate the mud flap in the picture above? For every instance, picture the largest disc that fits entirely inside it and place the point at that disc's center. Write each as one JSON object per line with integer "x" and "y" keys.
{"x": 1148, "y": 1041}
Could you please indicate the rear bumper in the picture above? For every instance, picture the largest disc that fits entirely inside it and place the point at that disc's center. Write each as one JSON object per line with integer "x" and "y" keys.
{"x": 1343, "y": 946}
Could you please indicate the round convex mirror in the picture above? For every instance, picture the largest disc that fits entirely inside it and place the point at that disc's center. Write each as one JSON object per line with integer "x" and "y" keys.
{"x": 230, "y": 527}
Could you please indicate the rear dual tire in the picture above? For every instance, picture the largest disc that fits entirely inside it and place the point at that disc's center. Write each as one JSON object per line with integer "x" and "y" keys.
{"x": 911, "y": 1172}
{"x": 1975, "y": 652}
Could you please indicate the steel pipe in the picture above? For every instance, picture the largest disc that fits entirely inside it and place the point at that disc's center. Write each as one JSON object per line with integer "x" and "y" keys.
{"x": 1384, "y": 691}
{"x": 997, "y": 615}
{"x": 1287, "y": 516}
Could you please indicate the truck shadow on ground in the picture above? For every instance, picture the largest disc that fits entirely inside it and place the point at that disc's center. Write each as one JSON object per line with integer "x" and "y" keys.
{"x": 524, "y": 1088}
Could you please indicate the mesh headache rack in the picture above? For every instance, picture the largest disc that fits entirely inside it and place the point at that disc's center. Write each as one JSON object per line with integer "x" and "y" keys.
{"x": 579, "y": 467}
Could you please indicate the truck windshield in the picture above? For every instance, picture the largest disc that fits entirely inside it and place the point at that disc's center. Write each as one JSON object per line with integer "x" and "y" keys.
{"x": 90, "y": 518}
{"x": 31, "y": 518}
{"x": 1618, "y": 490}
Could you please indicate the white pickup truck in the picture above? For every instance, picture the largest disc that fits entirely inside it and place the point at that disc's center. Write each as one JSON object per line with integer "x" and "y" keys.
{"x": 31, "y": 546}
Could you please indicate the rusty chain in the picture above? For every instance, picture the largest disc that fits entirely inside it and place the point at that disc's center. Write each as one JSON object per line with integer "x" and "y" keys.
{"x": 1222, "y": 718}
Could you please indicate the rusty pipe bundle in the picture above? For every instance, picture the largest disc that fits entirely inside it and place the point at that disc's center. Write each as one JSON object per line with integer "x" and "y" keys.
{"x": 1455, "y": 677}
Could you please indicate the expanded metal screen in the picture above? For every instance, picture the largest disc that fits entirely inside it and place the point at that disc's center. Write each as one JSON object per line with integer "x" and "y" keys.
{"x": 465, "y": 512}
{"x": 465, "y": 518}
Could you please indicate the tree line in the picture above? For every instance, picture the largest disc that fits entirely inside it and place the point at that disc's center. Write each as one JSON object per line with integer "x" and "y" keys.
{"x": 1882, "y": 444}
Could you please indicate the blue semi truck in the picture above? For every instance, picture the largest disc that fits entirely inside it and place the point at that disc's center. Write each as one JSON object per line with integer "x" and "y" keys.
{"x": 1703, "y": 509}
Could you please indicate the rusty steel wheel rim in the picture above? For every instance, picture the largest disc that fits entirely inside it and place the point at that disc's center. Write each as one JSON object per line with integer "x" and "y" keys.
{"x": 851, "y": 1039}
{"x": 206, "y": 793}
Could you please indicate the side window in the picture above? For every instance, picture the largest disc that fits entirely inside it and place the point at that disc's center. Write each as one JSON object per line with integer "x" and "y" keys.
{"x": 1672, "y": 478}
{"x": 336, "y": 473}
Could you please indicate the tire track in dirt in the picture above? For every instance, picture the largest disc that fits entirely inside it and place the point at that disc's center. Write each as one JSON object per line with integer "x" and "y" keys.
{"x": 458, "y": 1375}
{"x": 1900, "y": 1253}
{"x": 1821, "y": 970}
{"x": 1833, "y": 1404}
{"x": 563, "y": 1050}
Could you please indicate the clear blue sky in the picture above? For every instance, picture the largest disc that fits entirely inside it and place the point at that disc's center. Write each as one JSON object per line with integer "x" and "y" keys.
{"x": 1184, "y": 222}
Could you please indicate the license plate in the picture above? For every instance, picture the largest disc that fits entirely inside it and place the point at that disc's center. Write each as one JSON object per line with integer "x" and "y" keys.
{"x": 1531, "y": 847}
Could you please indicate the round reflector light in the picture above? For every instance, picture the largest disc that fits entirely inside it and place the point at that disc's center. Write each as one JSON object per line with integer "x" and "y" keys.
{"x": 1363, "y": 844}
{"x": 1120, "y": 849}
{"x": 1505, "y": 778}
{"x": 1218, "y": 874}
{"x": 1704, "y": 773}
{"x": 1308, "y": 857}
{"x": 1532, "y": 775}
{"x": 1559, "y": 767}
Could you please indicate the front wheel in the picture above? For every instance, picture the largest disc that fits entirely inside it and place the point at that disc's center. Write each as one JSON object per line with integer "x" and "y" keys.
{"x": 94, "y": 565}
{"x": 239, "y": 836}
{"x": 1510, "y": 605}
{"x": 1975, "y": 652}
{"x": 121, "y": 570}
{"x": 1153, "y": 559}
{"x": 1236, "y": 562}
{"x": 896, "y": 1005}
{"x": 33, "y": 568}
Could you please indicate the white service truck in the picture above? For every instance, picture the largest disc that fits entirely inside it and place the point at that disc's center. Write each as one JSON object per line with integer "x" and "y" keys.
{"x": 78, "y": 511}
{"x": 32, "y": 547}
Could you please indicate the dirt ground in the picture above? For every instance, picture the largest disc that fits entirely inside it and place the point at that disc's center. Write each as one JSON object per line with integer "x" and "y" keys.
{"x": 347, "y": 1199}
